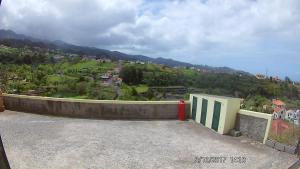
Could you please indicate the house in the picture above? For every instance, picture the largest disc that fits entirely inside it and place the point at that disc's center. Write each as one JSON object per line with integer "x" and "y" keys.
{"x": 297, "y": 115}
{"x": 58, "y": 58}
{"x": 105, "y": 77}
{"x": 118, "y": 81}
{"x": 117, "y": 70}
{"x": 279, "y": 109}
{"x": 107, "y": 60}
{"x": 278, "y": 104}
{"x": 260, "y": 76}
{"x": 99, "y": 60}
{"x": 275, "y": 79}
{"x": 293, "y": 116}
{"x": 289, "y": 115}
{"x": 278, "y": 115}
{"x": 109, "y": 73}
{"x": 139, "y": 62}
{"x": 203, "y": 70}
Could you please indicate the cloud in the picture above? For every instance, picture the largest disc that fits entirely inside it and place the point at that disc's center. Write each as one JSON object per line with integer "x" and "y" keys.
{"x": 71, "y": 20}
{"x": 212, "y": 32}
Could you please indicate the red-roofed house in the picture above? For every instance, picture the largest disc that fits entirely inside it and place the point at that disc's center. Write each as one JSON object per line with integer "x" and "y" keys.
{"x": 278, "y": 102}
{"x": 279, "y": 109}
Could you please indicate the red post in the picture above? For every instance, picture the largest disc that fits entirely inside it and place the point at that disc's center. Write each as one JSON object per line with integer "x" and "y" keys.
{"x": 181, "y": 110}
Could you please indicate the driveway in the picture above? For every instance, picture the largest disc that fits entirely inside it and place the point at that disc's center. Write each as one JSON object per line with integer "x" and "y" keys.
{"x": 42, "y": 142}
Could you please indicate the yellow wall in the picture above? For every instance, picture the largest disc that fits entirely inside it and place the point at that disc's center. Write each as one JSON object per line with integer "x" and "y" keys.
{"x": 233, "y": 107}
{"x": 229, "y": 109}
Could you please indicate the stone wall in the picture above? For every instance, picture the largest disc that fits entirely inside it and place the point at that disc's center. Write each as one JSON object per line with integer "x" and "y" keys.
{"x": 281, "y": 147}
{"x": 94, "y": 109}
{"x": 3, "y": 159}
{"x": 254, "y": 125}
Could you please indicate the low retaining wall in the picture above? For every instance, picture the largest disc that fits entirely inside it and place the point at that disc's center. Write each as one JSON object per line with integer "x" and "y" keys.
{"x": 281, "y": 147}
{"x": 3, "y": 159}
{"x": 254, "y": 125}
{"x": 94, "y": 109}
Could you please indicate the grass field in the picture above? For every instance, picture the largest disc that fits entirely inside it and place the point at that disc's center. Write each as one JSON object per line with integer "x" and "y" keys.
{"x": 288, "y": 136}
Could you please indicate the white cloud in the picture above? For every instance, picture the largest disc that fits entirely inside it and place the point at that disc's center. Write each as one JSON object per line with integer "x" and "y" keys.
{"x": 198, "y": 31}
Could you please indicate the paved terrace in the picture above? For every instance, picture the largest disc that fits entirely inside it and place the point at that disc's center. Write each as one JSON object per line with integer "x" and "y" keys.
{"x": 41, "y": 142}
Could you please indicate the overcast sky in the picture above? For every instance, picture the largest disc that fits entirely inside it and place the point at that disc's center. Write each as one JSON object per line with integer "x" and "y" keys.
{"x": 251, "y": 35}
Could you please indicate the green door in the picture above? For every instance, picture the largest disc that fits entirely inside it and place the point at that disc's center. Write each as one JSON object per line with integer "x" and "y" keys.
{"x": 216, "y": 116}
{"x": 203, "y": 111}
{"x": 194, "y": 108}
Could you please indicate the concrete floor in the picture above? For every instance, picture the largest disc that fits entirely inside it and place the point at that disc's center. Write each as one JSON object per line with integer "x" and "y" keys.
{"x": 42, "y": 142}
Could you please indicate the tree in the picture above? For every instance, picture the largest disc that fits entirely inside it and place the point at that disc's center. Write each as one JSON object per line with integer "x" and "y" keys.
{"x": 132, "y": 75}
{"x": 288, "y": 80}
{"x": 150, "y": 94}
{"x": 134, "y": 92}
{"x": 3, "y": 77}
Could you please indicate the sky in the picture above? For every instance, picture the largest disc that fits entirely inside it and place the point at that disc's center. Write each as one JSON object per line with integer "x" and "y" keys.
{"x": 257, "y": 36}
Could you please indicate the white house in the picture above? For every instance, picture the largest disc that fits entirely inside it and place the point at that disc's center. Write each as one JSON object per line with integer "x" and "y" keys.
{"x": 278, "y": 115}
{"x": 279, "y": 109}
{"x": 293, "y": 116}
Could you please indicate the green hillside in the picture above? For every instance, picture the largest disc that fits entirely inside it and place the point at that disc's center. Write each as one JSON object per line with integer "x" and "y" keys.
{"x": 38, "y": 71}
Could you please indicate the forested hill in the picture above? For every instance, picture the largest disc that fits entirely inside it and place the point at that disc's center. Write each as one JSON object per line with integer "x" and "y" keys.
{"x": 36, "y": 68}
{"x": 12, "y": 39}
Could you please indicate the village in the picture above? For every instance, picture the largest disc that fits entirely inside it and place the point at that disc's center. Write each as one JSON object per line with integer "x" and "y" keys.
{"x": 285, "y": 128}
{"x": 282, "y": 112}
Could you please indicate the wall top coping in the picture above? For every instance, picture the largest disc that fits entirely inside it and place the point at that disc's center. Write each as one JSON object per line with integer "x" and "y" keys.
{"x": 215, "y": 96}
{"x": 91, "y": 101}
{"x": 256, "y": 114}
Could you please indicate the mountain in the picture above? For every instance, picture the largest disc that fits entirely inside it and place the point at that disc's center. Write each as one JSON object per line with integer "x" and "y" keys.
{"x": 8, "y": 34}
{"x": 19, "y": 40}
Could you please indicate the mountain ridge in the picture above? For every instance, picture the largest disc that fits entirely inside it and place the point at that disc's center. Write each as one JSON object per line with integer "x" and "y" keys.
{"x": 20, "y": 39}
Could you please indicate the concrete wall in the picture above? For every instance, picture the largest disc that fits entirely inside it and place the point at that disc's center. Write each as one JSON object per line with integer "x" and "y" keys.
{"x": 1, "y": 102}
{"x": 3, "y": 159}
{"x": 229, "y": 108}
{"x": 255, "y": 125}
{"x": 95, "y": 109}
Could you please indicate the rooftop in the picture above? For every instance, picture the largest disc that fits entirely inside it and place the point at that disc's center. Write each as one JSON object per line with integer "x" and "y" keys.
{"x": 216, "y": 96}
{"x": 278, "y": 102}
{"x": 38, "y": 142}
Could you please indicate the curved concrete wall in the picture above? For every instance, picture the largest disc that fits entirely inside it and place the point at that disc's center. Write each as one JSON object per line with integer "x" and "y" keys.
{"x": 95, "y": 109}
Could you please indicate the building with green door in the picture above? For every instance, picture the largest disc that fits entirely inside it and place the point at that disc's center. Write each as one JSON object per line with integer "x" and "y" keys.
{"x": 215, "y": 112}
